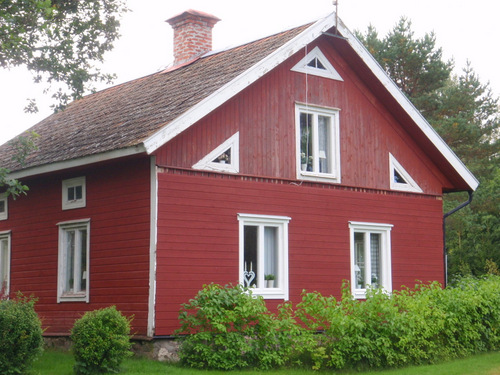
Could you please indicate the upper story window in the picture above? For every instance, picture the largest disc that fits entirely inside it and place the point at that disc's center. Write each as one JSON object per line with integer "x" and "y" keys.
{"x": 400, "y": 179}
{"x": 4, "y": 263}
{"x": 224, "y": 158}
{"x": 74, "y": 193}
{"x": 4, "y": 208}
{"x": 264, "y": 255}
{"x": 370, "y": 257}
{"x": 318, "y": 145}
{"x": 73, "y": 269}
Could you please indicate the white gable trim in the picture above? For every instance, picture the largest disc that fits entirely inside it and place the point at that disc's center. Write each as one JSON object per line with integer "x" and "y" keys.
{"x": 328, "y": 71}
{"x": 208, "y": 163}
{"x": 405, "y": 103}
{"x": 239, "y": 83}
{"x": 410, "y": 185}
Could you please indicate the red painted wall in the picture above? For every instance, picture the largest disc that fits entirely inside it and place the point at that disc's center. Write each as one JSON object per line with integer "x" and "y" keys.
{"x": 264, "y": 114}
{"x": 198, "y": 234}
{"x": 118, "y": 201}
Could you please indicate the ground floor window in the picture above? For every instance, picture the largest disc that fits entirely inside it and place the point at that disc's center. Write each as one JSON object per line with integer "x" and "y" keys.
{"x": 370, "y": 257}
{"x": 264, "y": 254}
{"x": 4, "y": 263}
{"x": 73, "y": 275}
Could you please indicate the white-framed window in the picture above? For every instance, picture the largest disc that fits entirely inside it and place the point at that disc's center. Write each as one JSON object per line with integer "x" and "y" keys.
{"x": 263, "y": 263}
{"x": 224, "y": 158}
{"x": 4, "y": 208}
{"x": 315, "y": 63}
{"x": 400, "y": 179}
{"x": 74, "y": 193}
{"x": 370, "y": 257}
{"x": 4, "y": 263}
{"x": 74, "y": 254}
{"x": 318, "y": 143}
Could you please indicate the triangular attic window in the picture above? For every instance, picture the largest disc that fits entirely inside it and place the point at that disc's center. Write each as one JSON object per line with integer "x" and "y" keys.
{"x": 224, "y": 158}
{"x": 315, "y": 63}
{"x": 400, "y": 179}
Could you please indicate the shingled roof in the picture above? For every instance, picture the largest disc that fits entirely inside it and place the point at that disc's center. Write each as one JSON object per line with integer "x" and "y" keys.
{"x": 124, "y": 116}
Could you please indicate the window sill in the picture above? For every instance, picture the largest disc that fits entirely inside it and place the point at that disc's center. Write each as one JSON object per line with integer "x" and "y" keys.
{"x": 270, "y": 293}
{"x": 80, "y": 297}
{"x": 319, "y": 177}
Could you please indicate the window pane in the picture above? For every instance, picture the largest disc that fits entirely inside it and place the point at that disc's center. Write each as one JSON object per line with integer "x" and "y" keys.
{"x": 306, "y": 151}
{"x": 359, "y": 260}
{"x": 271, "y": 255}
{"x": 250, "y": 270}
{"x": 4, "y": 267}
{"x": 83, "y": 260}
{"x": 71, "y": 194}
{"x": 324, "y": 136}
{"x": 375, "y": 259}
{"x": 2, "y": 205}
{"x": 78, "y": 192}
{"x": 70, "y": 260}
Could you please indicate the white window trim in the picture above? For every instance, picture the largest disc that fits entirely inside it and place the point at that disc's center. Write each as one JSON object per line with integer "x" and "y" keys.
{"x": 4, "y": 215}
{"x": 386, "y": 260}
{"x": 335, "y": 143}
{"x": 410, "y": 186}
{"x": 207, "y": 163}
{"x": 79, "y": 297}
{"x": 281, "y": 222}
{"x": 6, "y": 235}
{"x": 77, "y": 203}
{"x": 330, "y": 72}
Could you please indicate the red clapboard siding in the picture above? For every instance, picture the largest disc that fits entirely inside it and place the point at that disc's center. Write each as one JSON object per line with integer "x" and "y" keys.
{"x": 264, "y": 115}
{"x": 118, "y": 204}
{"x": 198, "y": 234}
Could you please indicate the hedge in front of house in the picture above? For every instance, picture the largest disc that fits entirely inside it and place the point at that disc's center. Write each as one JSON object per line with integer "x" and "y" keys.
{"x": 231, "y": 329}
{"x": 21, "y": 338}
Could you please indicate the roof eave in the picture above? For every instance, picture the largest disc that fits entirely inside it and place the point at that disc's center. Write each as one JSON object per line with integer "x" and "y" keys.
{"x": 78, "y": 162}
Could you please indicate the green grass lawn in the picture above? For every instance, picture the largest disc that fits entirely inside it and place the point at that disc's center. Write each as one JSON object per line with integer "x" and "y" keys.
{"x": 61, "y": 363}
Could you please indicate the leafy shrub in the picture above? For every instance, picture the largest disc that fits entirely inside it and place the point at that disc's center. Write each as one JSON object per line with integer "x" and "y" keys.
{"x": 229, "y": 328}
{"x": 101, "y": 341}
{"x": 20, "y": 335}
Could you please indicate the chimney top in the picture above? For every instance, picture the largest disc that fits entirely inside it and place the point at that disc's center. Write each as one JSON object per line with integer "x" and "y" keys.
{"x": 192, "y": 34}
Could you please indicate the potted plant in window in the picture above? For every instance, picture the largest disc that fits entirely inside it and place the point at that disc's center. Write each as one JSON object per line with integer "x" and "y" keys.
{"x": 269, "y": 280}
{"x": 303, "y": 161}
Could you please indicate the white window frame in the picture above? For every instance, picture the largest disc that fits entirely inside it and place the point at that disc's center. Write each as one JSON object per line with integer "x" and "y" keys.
{"x": 5, "y": 244}
{"x": 64, "y": 227}
{"x": 74, "y": 203}
{"x": 261, "y": 221}
{"x": 410, "y": 185}
{"x": 208, "y": 163}
{"x": 386, "y": 262}
{"x": 4, "y": 215}
{"x": 328, "y": 72}
{"x": 334, "y": 143}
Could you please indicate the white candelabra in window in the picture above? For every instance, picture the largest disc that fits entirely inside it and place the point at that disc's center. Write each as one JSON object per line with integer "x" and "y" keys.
{"x": 248, "y": 276}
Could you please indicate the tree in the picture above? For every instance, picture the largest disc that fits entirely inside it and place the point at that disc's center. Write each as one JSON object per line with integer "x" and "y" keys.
{"x": 467, "y": 116}
{"x": 59, "y": 41}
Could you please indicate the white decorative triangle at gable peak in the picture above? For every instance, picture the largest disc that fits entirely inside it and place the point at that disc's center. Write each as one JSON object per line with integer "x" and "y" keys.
{"x": 315, "y": 63}
{"x": 224, "y": 158}
{"x": 400, "y": 178}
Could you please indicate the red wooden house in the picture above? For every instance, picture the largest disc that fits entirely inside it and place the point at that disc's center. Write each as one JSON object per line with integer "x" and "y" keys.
{"x": 293, "y": 156}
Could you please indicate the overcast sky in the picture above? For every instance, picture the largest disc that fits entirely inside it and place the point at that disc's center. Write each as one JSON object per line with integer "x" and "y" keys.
{"x": 466, "y": 30}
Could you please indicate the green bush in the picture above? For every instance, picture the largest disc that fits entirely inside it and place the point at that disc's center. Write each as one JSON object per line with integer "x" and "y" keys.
{"x": 20, "y": 335}
{"x": 229, "y": 328}
{"x": 101, "y": 341}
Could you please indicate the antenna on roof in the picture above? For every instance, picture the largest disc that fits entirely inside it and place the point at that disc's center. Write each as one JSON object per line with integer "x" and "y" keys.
{"x": 336, "y": 5}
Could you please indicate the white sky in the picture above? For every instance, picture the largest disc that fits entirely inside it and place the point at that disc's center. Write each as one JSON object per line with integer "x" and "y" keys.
{"x": 465, "y": 29}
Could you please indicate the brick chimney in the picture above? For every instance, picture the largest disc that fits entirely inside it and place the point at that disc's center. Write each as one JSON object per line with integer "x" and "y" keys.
{"x": 192, "y": 34}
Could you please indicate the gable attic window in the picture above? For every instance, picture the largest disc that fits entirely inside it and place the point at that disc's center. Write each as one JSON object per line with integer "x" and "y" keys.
{"x": 4, "y": 213}
{"x": 318, "y": 144}
{"x": 400, "y": 179}
{"x": 74, "y": 193}
{"x": 263, "y": 264}
{"x": 315, "y": 63}
{"x": 224, "y": 158}
{"x": 73, "y": 267}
